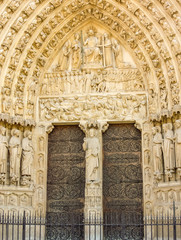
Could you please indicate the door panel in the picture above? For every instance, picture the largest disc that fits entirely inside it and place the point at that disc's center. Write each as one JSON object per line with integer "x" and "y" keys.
{"x": 65, "y": 182}
{"x": 122, "y": 180}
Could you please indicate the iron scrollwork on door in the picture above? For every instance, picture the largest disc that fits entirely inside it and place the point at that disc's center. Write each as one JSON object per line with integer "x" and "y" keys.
{"x": 122, "y": 181}
{"x": 65, "y": 183}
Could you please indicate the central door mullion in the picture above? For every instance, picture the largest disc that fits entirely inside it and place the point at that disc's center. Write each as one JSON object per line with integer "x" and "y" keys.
{"x": 93, "y": 209}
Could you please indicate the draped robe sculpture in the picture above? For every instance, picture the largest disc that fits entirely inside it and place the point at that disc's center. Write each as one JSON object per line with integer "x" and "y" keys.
{"x": 118, "y": 55}
{"x": 168, "y": 148}
{"x": 76, "y": 52}
{"x": 64, "y": 61}
{"x": 108, "y": 50}
{"x": 3, "y": 153}
{"x": 27, "y": 154}
{"x": 157, "y": 151}
{"x": 91, "y": 49}
{"x": 92, "y": 147}
{"x": 177, "y": 137}
{"x": 15, "y": 155}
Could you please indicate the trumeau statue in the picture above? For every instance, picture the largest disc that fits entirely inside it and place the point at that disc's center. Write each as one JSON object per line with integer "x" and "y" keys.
{"x": 27, "y": 154}
{"x": 15, "y": 155}
{"x": 92, "y": 147}
{"x": 3, "y": 153}
{"x": 178, "y": 144}
{"x": 168, "y": 148}
{"x": 157, "y": 151}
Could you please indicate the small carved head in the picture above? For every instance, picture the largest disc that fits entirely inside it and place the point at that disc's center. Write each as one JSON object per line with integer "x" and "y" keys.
{"x": 156, "y": 129}
{"x": 91, "y": 31}
{"x": 177, "y": 124}
{"x": 77, "y": 36}
{"x": 106, "y": 35}
{"x": 92, "y": 132}
{"x": 2, "y": 130}
{"x": 28, "y": 134}
{"x": 165, "y": 127}
{"x": 169, "y": 126}
{"x": 15, "y": 132}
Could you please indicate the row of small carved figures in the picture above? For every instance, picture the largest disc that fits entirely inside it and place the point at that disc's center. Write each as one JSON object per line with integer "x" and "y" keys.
{"x": 21, "y": 155}
{"x": 166, "y": 149}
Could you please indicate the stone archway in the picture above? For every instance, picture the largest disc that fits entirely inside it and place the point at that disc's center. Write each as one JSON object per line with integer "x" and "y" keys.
{"x": 36, "y": 93}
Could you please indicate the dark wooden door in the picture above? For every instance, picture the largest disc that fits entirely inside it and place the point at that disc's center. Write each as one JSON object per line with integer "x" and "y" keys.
{"x": 65, "y": 183}
{"x": 122, "y": 181}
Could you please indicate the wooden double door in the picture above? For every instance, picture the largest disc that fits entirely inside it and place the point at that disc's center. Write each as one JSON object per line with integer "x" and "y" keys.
{"x": 122, "y": 182}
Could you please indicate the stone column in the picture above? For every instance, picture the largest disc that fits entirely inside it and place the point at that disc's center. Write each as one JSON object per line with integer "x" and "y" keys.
{"x": 93, "y": 210}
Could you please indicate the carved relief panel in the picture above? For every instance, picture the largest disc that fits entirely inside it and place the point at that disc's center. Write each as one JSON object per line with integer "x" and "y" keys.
{"x": 124, "y": 107}
{"x": 92, "y": 60}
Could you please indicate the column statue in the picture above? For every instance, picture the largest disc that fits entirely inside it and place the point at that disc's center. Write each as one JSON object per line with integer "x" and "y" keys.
{"x": 92, "y": 147}
{"x": 15, "y": 156}
{"x": 3, "y": 153}
{"x": 157, "y": 151}
{"x": 177, "y": 137}
{"x": 27, "y": 156}
{"x": 168, "y": 148}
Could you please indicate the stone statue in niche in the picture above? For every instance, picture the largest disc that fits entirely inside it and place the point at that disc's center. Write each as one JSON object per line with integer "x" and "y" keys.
{"x": 147, "y": 174}
{"x": 157, "y": 151}
{"x": 27, "y": 157}
{"x": 76, "y": 52}
{"x": 41, "y": 144}
{"x": 147, "y": 157}
{"x": 148, "y": 189}
{"x": 64, "y": 61}
{"x": 172, "y": 196}
{"x": 146, "y": 140}
{"x": 92, "y": 53}
{"x": 40, "y": 160}
{"x": 92, "y": 147}
{"x": 177, "y": 138}
{"x": 118, "y": 54}
{"x": 3, "y": 154}
{"x": 168, "y": 149}
{"x": 107, "y": 50}
{"x": 15, "y": 156}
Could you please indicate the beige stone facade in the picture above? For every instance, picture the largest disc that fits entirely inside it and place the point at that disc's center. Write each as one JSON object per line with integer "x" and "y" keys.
{"x": 72, "y": 62}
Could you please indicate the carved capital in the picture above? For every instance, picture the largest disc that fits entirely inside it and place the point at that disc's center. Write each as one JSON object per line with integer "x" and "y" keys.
{"x": 49, "y": 128}
{"x": 104, "y": 126}
{"x": 92, "y": 123}
{"x": 139, "y": 125}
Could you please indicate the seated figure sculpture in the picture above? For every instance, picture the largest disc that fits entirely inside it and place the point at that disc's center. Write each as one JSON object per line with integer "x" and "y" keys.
{"x": 92, "y": 53}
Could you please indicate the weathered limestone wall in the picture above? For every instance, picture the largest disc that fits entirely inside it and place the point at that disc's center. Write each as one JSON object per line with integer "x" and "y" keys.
{"x": 66, "y": 62}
